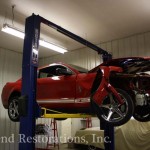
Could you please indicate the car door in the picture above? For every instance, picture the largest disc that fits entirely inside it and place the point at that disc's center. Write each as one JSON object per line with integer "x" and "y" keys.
{"x": 56, "y": 89}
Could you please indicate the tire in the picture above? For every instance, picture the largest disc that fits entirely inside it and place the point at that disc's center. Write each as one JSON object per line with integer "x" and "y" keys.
{"x": 90, "y": 147}
{"x": 113, "y": 113}
{"x": 60, "y": 119}
{"x": 142, "y": 113}
{"x": 13, "y": 109}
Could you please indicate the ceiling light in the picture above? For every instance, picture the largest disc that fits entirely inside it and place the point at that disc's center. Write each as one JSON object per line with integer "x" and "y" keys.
{"x": 14, "y": 31}
{"x": 52, "y": 46}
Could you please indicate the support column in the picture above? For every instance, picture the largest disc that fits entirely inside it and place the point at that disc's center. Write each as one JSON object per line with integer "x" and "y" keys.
{"x": 29, "y": 79}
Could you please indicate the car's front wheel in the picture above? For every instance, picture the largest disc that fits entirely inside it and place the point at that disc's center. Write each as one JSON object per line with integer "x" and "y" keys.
{"x": 112, "y": 112}
{"x": 13, "y": 112}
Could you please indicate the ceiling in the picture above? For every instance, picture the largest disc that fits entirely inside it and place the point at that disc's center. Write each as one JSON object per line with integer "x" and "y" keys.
{"x": 95, "y": 20}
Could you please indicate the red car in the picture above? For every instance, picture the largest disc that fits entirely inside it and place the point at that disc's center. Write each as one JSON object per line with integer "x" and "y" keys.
{"x": 71, "y": 89}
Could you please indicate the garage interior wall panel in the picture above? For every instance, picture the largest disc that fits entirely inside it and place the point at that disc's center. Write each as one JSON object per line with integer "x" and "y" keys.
{"x": 136, "y": 45}
{"x": 82, "y": 57}
{"x": 10, "y": 70}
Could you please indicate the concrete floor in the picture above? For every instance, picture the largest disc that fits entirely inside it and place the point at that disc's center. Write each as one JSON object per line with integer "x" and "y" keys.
{"x": 61, "y": 147}
{"x": 77, "y": 147}
{"x": 65, "y": 147}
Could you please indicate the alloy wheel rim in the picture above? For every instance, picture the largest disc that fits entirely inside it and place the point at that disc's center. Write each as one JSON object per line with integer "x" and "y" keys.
{"x": 13, "y": 109}
{"x": 112, "y": 111}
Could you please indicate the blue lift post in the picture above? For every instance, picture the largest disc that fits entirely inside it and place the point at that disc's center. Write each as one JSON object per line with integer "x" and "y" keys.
{"x": 28, "y": 107}
{"x": 109, "y": 141}
{"x": 29, "y": 79}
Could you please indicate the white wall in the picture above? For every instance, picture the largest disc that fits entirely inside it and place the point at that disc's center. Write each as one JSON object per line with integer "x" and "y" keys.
{"x": 10, "y": 70}
{"x": 135, "y": 45}
{"x": 83, "y": 57}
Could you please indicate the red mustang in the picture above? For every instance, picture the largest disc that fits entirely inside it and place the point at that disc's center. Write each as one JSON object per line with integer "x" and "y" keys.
{"x": 114, "y": 90}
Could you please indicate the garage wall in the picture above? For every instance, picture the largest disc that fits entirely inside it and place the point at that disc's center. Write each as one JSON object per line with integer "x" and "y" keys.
{"x": 10, "y": 70}
{"x": 135, "y": 45}
{"x": 82, "y": 57}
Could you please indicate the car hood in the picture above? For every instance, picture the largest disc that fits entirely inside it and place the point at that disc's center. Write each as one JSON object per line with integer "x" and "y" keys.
{"x": 130, "y": 65}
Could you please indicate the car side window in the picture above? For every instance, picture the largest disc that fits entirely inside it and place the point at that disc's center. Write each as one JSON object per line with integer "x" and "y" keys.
{"x": 61, "y": 70}
{"x": 46, "y": 72}
{"x": 51, "y": 71}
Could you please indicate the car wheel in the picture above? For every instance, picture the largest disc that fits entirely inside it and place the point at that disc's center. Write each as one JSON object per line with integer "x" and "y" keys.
{"x": 60, "y": 119}
{"x": 13, "y": 109}
{"x": 113, "y": 113}
{"x": 142, "y": 113}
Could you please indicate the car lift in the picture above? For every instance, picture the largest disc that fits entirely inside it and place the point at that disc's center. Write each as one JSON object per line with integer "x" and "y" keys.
{"x": 48, "y": 113}
{"x": 28, "y": 107}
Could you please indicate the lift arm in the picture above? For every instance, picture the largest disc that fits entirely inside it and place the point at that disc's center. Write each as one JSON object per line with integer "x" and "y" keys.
{"x": 106, "y": 56}
{"x": 49, "y": 113}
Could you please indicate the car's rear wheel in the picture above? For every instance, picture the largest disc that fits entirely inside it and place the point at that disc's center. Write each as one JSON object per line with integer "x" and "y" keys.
{"x": 112, "y": 112}
{"x": 142, "y": 113}
{"x": 13, "y": 112}
{"x": 60, "y": 119}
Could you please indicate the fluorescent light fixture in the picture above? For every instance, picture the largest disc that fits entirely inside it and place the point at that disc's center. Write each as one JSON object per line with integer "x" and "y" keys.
{"x": 52, "y": 46}
{"x": 14, "y": 31}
